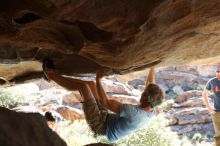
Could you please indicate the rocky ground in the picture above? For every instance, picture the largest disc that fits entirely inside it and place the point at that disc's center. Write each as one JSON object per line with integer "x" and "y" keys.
{"x": 183, "y": 86}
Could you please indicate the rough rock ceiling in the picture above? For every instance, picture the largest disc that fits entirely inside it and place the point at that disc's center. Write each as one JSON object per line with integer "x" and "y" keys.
{"x": 120, "y": 36}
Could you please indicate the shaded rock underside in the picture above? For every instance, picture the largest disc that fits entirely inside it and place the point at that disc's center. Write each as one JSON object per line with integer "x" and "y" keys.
{"x": 26, "y": 129}
{"x": 83, "y": 36}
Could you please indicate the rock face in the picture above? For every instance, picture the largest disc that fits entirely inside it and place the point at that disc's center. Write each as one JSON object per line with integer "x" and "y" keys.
{"x": 69, "y": 113}
{"x": 16, "y": 129}
{"x": 188, "y": 115}
{"x": 176, "y": 80}
{"x": 118, "y": 36}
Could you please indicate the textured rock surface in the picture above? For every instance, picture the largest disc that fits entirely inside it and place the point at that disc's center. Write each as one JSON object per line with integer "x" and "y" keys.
{"x": 26, "y": 130}
{"x": 69, "y": 113}
{"x": 189, "y": 115}
{"x": 83, "y": 36}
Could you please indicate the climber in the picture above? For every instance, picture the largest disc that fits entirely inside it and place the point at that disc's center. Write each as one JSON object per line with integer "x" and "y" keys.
{"x": 123, "y": 118}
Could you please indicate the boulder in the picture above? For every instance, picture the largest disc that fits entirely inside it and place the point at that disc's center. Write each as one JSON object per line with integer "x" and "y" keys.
{"x": 136, "y": 83}
{"x": 187, "y": 95}
{"x": 178, "y": 90}
{"x": 117, "y": 36}
{"x": 191, "y": 102}
{"x": 26, "y": 129}
{"x": 116, "y": 87}
{"x": 27, "y": 88}
{"x": 194, "y": 119}
{"x": 188, "y": 115}
{"x": 71, "y": 99}
{"x": 189, "y": 111}
{"x": 69, "y": 113}
{"x": 190, "y": 129}
{"x": 207, "y": 71}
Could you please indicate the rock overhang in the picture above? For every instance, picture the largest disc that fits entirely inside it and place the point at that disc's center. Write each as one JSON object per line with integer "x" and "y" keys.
{"x": 117, "y": 36}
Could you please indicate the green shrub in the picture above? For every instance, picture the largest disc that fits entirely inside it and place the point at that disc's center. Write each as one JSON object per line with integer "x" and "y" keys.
{"x": 167, "y": 105}
{"x": 155, "y": 133}
{"x": 10, "y": 98}
{"x": 197, "y": 137}
{"x": 78, "y": 133}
